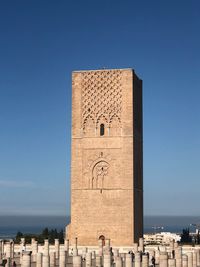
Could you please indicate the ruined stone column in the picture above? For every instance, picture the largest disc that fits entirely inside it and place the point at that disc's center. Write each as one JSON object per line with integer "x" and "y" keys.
{"x": 52, "y": 257}
{"x": 137, "y": 259}
{"x": 163, "y": 259}
{"x": 84, "y": 252}
{"x": 118, "y": 262}
{"x": 57, "y": 248}
{"x": 106, "y": 249}
{"x": 98, "y": 261}
{"x": 34, "y": 247}
{"x": 178, "y": 256}
{"x": 107, "y": 260}
{"x": 175, "y": 245}
{"x": 62, "y": 258}
{"x": 67, "y": 246}
{"x": 20, "y": 258}
{"x": 198, "y": 257}
{"x": 194, "y": 258}
{"x": 22, "y": 244}
{"x": 128, "y": 260}
{"x": 1, "y": 248}
{"x": 8, "y": 263}
{"x": 94, "y": 258}
{"x": 171, "y": 244}
{"x": 39, "y": 260}
{"x": 8, "y": 249}
{"x": 145, "y": 261}
{"x": 45, "y": 261}
{"x": 77, "y": 261}
{"x": 88, "y": 260}
{"x": 135, "y": 247}
{"x": 12, "y": 249}
{"x": 171, "y": 263}
{"x": 190, "y": 259}
{"x": 141, "y": 244}
{"x": 151, "y": 254}
{"x": 100, "y": 251}
{"x": 157, "y": 256}
{"x": 46, "y": 247}
{"x": 75, "y": 249}
{"x": 26, "y": 261}
{"x": 184, "y": 260}
{"x": 115, "y": 253}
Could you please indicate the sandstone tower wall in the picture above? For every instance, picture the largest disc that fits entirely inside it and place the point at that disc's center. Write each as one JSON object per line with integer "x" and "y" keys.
{"x": 106, "y": 160}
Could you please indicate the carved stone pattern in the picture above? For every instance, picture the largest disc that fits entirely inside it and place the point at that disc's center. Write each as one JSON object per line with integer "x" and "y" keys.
{"x": 101, "y": 97}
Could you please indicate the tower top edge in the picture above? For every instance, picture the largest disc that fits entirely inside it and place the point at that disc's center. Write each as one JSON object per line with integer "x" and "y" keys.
{"x": 103, "y": 69}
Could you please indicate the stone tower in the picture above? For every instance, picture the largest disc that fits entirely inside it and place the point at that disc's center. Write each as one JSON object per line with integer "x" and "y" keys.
{"x": 106, "y": 160}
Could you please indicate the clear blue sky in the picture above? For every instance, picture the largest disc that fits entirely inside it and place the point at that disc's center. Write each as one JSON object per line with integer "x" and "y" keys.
{"x": 42, "y": 42}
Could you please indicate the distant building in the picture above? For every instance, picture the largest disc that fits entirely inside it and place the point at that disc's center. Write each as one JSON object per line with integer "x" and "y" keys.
{"x": 162, "y": 238}
{"x": 106, "y": 159}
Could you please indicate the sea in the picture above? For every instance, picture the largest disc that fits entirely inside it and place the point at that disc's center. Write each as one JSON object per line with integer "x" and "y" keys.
{"x": 10, "y": 225}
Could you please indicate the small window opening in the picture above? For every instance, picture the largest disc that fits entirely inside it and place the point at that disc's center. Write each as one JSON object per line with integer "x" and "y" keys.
{"x": 102, "y": 130}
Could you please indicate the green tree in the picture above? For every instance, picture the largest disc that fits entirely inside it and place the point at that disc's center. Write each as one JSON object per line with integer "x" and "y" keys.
{"x": 185, "y": 236}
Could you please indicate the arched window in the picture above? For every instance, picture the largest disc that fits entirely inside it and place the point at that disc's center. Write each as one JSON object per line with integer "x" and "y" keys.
{"x": 102, "y": 130}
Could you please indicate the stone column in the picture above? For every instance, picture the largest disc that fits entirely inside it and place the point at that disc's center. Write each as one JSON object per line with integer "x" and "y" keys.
{"x": 107, "y": 260}
{"x": 145, "y": 261}
{"x": 100, "y": 251}
{"x": 0, "y": 247}
{"x": 190, "y": 259}
{"x": 94, "y": 258}
{"x": 62, "y": 258}
{"x": 135, "y": 247}
{"x": 118, "y": 261}
{"x": 128, "y": 260}
{"x": 194, "y": 258}
{"x": 20, "y": 258}
{"x": 46, "y": 247}
{"x": 151, "y": 254}
{"x": 26, "y": 260}
{"x": 137, "y": 259}
{"x": 45, "y": 261}
{"x": 198, "y": 257}
{"x": 84, "y": 252}
{"x": 184, "y": 260}
{"x": 88, "y": 260}
{"x": 163, "y": 259}
{"x": 39, "y": 260}
{"x": 98, "y": 261}
{"x": 57, "y": 248}
{"x": 8, "y": 263}
{"x": 171, "y": 244}
{"x": 77, "y": 261}
{"x": 115, "y": 254}
{"x": 12, "y": 249}
{"x": 106, "y": 249}
{"x": 178, "y": 256}
{"x": 141, "y": 244}
{"x": 67, "y": 246}
{"x": 175, "y": 245}
{"x": 157, "y": 256}
{"x": 171, "y": 263}
{"x": 34, "y": 247}
{"x": 22, "y": 243}
{"x": 52, "y": 256}
{"x": 75, "y": 249}
{"x": 8, "y": 249}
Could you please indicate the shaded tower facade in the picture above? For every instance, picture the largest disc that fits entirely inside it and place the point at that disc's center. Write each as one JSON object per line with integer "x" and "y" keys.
{"x": 106, "y": 160}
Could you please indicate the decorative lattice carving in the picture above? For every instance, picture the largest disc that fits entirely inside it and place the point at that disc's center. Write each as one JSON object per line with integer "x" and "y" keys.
{"x": 101, "y": 97}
